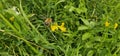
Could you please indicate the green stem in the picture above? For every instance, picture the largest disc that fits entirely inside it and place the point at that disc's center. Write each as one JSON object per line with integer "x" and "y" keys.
{"x": 116, "y": 51}
{"x": 21, "y": 37}
{"x": 24, "y": 15}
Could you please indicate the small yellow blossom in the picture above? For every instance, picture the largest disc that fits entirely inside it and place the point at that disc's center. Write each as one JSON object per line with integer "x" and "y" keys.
{"x": 12, "y": 18}
{"x": 54, "y": 27}
{"x": 107, "y": 23}
{"x": 62, "y": 28}
{"x": 115, "y": 25}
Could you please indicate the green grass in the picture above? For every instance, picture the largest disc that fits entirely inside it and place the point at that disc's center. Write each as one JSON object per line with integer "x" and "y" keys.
{"x": 86, "y": 34}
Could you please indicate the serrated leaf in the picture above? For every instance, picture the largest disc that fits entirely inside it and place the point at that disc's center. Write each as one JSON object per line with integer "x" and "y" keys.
{"x": 86, "y": 36}
{"x": 83, "y": 27}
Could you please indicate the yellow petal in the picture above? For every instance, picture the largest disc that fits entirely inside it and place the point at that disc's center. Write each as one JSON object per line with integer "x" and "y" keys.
{"x": 54, "y": 27}
{"x": 63, "y": 24}
{"x": 107, "y": 23}
{"x": 62, "y": 28}
{"x": 115, "y": 26}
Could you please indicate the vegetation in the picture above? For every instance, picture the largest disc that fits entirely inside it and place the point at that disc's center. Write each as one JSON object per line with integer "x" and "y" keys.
{"x": 59, "y": 27}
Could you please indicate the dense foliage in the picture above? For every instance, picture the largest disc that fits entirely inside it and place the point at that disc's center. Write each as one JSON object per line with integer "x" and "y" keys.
{"x": 74, "y": 28}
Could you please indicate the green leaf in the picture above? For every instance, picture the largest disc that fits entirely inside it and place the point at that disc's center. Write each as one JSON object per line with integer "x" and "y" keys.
{"x": 86, "y": 36}
{"x": 78, "y": 10}
{"x": 88, "y": 45}
{"x": 90, "y": 53}
{"x": 81, "y": 10}
{"x": 92, "y": 24}
{"x": 71, "y": 9}
{"x": 83, "y": 27}
{"x": 30, "y": 15}
{"x": 60, "y": 2}
{"x": 5, "y": 54}
{"x": 80, "y": 55}
{"x": 118, "y": 44}
{"x": 1, "y": 6}
{"x": 103, "y": 52}
{"x": 36, "y": 39}
{"x": 84, "y": 9}
{"x": 85, "y": 21}
{"x": 17, "y": 26}
{"x": 97, "y": 38}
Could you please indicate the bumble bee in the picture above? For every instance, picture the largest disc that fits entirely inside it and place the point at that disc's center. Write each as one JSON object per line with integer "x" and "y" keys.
{"x": 48, "y": 21}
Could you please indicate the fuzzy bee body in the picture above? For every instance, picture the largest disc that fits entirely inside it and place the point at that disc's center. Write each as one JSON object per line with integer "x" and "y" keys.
{"x": 48, "y": 21}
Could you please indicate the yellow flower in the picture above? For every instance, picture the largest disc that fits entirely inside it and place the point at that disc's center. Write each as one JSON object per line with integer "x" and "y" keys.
{"x": 107, "y": 23}
{"x": 115, "y": 25}
{"x": 62, "y": 28}
{"x": 12, "y": 18}
{"x": 54, "y": 27}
